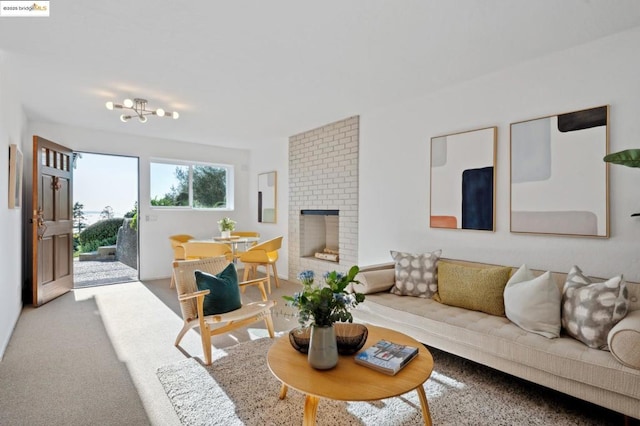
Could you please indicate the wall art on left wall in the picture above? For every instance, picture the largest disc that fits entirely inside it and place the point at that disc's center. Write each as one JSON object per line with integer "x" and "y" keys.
{"x": 15, "y": 177}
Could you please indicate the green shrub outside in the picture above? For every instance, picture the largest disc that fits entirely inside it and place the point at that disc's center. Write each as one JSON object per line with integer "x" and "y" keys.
{"x": 103, "y": 233}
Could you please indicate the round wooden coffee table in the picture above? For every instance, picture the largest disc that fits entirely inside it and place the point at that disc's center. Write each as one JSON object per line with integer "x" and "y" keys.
{"x": 360, "y": 383}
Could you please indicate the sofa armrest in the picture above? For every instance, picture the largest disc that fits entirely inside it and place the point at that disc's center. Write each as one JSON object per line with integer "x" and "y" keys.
{"x": 374, "y": 279}
{"x": 624, "y": 340}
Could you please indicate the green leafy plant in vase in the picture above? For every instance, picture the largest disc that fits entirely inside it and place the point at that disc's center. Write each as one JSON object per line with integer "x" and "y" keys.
{"x": 322, "y": 305}
{"x": 226, "y": 225}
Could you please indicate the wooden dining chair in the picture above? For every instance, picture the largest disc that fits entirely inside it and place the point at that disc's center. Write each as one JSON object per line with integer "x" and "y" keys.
{"x": 263, "y": 254}
{"x": 194, "y": 308}
{"x": 178, "y": 251}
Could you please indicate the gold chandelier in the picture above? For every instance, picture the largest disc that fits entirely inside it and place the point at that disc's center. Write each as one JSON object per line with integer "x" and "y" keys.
{"x": 139, "y": 108}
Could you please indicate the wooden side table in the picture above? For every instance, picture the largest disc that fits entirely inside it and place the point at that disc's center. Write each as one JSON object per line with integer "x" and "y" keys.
{"x": 364, "y": 384}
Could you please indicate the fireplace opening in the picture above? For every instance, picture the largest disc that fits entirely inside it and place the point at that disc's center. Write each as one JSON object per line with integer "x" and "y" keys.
{"x": 319, "y": 231}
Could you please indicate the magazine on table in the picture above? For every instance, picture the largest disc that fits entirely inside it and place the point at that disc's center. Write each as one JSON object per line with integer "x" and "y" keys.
{"x": 386, "y": 357}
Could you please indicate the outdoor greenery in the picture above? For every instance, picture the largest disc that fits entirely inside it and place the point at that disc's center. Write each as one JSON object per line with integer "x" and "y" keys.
{"x": 209, "y": 188}
{"x": 102, "y": 233}
{"x": 133, "y": 215}
{"x": 79, "y": 219}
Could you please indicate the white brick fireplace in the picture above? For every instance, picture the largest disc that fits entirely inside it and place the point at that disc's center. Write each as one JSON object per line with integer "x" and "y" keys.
{"x": 323, "y": 182}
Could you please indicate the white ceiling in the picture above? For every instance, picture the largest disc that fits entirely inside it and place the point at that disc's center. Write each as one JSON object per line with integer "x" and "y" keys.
{"x": 242, "y": 72}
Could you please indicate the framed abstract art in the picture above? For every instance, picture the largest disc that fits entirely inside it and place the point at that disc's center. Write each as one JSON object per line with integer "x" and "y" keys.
{"x": 559, "y": 181}
{"x": 463, "y": 180}
{"x": 15, "y": 177}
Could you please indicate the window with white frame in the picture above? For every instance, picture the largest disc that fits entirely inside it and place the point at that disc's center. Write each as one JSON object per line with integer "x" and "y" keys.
{"x": 191, "y": 185}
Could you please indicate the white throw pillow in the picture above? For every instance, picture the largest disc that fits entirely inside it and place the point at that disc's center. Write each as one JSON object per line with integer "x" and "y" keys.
{"x": 533, "y": 303}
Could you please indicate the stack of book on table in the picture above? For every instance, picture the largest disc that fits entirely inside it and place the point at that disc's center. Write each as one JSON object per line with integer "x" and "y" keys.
{"x": 386, "y": 357}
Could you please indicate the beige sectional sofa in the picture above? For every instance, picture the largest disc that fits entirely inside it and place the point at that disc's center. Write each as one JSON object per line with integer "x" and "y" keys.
{"x": 564, "y": 364}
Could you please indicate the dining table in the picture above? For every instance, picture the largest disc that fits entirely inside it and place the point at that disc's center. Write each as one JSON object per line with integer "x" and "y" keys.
{"x": 234, "y": 242}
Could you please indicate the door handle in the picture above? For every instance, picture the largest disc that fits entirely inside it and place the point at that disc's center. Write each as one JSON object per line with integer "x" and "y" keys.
{"x": 42, "y": 227}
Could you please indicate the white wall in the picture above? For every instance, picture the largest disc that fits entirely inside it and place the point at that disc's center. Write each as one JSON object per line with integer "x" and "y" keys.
{"x": 155, "y": 225}
{"x": 394, "y": 160}
{"x": 272, "y": 155}
{"x": 12, "y": 125}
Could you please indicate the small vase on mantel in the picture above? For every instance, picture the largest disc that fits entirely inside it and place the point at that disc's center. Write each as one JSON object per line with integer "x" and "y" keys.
{"x": 323, "y": 349}
{"x": 225, "y": 234}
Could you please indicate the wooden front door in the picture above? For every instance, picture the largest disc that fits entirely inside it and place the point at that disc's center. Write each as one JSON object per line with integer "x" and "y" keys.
{"x": 52, "y": 247}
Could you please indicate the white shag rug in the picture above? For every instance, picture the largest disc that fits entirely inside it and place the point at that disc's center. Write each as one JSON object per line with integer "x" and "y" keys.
{"x": 239, "y": 389}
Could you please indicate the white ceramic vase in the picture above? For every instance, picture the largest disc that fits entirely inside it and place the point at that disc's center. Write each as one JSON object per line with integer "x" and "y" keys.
{"x": 323, "y": 349}
{"x": 225, "y": 234}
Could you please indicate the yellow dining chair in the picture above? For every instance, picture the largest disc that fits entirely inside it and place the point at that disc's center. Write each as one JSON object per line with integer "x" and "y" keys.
{"x": 193, "y": 305}
{"x": 178, "y": 251}
{"x": 265, "y": 254}
{"x": 203, "y": 249}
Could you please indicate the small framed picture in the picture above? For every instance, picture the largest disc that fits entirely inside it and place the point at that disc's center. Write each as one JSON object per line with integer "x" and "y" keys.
{"x": 15, "y": 177}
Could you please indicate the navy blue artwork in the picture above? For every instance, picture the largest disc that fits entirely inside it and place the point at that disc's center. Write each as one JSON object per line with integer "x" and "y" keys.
{"x": 477, "y": 199}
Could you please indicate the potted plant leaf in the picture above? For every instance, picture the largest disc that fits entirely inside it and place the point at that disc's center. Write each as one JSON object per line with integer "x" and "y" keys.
{"x": 628, "y": 157}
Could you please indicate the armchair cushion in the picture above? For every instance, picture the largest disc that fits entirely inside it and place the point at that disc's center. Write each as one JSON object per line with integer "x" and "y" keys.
{"x": 224, "y": 292}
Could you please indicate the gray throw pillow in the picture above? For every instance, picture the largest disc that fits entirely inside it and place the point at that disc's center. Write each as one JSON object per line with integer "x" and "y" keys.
{"x": 415, "y": 274}
{"x": 590, "y": 310}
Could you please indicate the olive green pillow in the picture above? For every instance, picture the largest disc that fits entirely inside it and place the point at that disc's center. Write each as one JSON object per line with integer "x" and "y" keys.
{"x": 471, "y": 287}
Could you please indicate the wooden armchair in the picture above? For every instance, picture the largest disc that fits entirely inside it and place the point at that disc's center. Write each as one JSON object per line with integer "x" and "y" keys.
{"x": 192, "y": 303}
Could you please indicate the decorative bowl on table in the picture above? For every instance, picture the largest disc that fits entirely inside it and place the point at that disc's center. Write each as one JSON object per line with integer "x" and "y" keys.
{"x": 349, "y": 338}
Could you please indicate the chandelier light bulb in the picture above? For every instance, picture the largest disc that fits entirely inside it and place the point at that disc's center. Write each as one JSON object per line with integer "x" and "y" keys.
{"x": 138, "y": 108}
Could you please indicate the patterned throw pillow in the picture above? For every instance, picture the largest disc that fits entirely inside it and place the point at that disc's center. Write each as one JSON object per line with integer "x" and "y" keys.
{"x": 590, "y": 310}
{"x": 415, "y": 274}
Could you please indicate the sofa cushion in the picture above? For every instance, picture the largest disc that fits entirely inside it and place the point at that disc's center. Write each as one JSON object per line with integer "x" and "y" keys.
{"x": 591, "y": 309}
{"x": 470, "y": 287}
{"x": 624, "y": 340}
{"x": 533, "y": 303}
{"x": 415, "y": 273}
{"x": 374, "y": 281}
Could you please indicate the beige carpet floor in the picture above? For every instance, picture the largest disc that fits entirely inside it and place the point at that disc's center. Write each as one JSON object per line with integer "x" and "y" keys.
{"x": 90, "y": 357}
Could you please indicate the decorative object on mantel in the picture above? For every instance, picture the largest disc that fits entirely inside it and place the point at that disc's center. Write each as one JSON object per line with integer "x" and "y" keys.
{"x": 226, "y": 225}
{"x": 628, "y": 157}
{"x": 328, "y": 254}
{"x": 322, "y": 306}
{"x": 139, "y": 108}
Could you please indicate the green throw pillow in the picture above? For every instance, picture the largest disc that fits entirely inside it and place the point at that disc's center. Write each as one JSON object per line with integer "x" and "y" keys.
{"x": 475, "y": 288}
{"x": 224, "y": 293}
